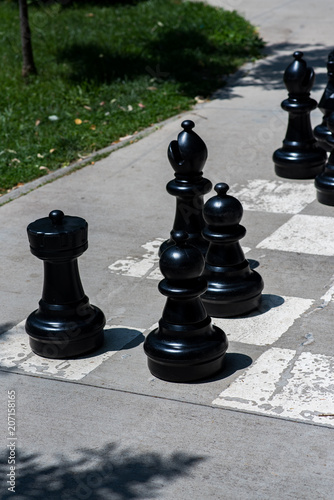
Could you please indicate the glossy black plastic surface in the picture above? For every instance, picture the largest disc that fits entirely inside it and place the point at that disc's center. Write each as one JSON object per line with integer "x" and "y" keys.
{"x": 185, "y": 346}
{"x": 65, "y": 325}
{"x": 324, "y": 182}
{"x": 326, "y": 105}
{"x": 300, "y": 157}
{"x": 233, "y": 288}
{"x": 187, "y": 156}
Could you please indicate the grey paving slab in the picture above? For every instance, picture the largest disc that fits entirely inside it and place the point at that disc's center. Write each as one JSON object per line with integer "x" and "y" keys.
{"x": 87, "y": 442}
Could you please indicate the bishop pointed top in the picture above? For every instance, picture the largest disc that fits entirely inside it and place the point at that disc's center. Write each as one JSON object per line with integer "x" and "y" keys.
{"x": 298, "y": 77}
{"x": 188, "y": 154}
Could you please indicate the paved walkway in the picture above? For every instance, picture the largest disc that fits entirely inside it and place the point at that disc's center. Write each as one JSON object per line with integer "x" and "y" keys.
{"x": 103, "y": 427}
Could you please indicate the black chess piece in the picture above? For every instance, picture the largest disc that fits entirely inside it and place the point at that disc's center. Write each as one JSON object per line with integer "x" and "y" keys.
{"x": 326, "y": 105}
{"x": 185, "y": 346}
{"x": 65, "y": 325}
{"x": 187, "y": 156}
{"x": 233, "y": 288}
{"x": 324, "y": 182}
{"x": 300, "y": 157}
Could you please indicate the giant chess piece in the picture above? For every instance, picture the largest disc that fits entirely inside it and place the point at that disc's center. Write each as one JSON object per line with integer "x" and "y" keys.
{"x": 326, "y": 105}
{"x": 185, "y": 346}
{"x": 300, "y": 157}
{"x": 187, "y": 156}
{"x": 65, "y": 325}
{"x": 324, "y": 182}
{"x": 233, "y": 288}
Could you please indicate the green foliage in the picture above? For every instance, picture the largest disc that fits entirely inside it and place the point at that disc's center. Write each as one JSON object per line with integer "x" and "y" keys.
{"x": 106, "y": 70}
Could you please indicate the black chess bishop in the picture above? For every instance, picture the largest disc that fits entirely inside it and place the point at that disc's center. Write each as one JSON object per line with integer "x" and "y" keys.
{"x": 185, "y": 346}
{"x": 300, "y": 157}
{"x": 233, "y": 288}
{"x": 65, "y": 325}
{"x": 187, "y": 156}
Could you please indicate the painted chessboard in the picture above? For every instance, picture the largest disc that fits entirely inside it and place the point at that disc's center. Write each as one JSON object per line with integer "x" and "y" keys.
{"x": 280, "y": 361}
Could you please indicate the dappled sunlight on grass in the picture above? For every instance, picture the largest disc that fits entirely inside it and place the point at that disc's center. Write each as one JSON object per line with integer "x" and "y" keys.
{"x": 107, "y": 70}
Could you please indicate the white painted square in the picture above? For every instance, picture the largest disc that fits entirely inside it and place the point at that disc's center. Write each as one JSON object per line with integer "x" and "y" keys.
{"x": 266, "y": 325}
{"x": 15, "y": 352}
{"x": 303, "y": 234}
{"x": 282, "y": 383}
{"x": 275, "y": 196}
{"x": 139, "y": 267}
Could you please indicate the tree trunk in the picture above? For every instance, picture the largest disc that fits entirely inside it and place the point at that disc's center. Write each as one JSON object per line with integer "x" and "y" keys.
{"x": 28, "y": 65}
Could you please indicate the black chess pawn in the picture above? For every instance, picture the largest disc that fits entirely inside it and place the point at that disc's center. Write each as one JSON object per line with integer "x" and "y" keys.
{"x": 326, "y": 105}
{"x": 324, "y": 182}
{"x": 65, "y": 325}
{"x": 300, "y": 157}
{"x": 185, "y": 346}
{"x": 233, "y": 288}
{"x": 187, "y": 156}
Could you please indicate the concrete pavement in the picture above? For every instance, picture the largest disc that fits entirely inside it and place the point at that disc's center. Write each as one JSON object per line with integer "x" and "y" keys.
{"x": 102, "y": 427}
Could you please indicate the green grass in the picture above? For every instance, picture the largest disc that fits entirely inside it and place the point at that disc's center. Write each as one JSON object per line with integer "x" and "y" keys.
{"x": 114, "y": 67}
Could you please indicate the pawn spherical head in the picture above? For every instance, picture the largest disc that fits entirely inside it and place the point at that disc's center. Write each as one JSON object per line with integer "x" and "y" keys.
{"x": 181, "y": 261}
{"x": 56, "y": 217}
{"x": 222, "y": 209}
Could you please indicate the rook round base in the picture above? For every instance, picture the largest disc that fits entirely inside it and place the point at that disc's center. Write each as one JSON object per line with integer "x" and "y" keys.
{"x": 65, "y": 339}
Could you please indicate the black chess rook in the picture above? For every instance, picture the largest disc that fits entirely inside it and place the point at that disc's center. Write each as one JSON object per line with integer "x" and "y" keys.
{"x": 324, "y": 182}
{"x": 185, "y": 346}
{"x": 300, "y": 157}
{"x": 233, "y": 288}
{"x": 65, "y": 325}
{"x": 187, "y": 156}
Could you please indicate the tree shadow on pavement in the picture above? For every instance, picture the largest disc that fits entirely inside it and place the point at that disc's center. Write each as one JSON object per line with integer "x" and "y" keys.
{"x": 96, "y": 474}
{"x": 268, "y": 72}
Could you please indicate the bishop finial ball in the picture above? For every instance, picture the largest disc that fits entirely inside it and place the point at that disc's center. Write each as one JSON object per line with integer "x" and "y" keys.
{"x": 298, "y": 55}
{"x": 188, "y": 125}
{"x": 221, "y": 188}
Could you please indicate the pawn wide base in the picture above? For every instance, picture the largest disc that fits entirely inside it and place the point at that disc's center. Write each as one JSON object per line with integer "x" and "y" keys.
{"x": 229, "y": 308}
{"x": 325, "y": 189}
{"x": 232, "y": 297}
{"x": 185, "y": 360}
{"x": 299, "y": 165}
{"x": 65, "y": 339}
